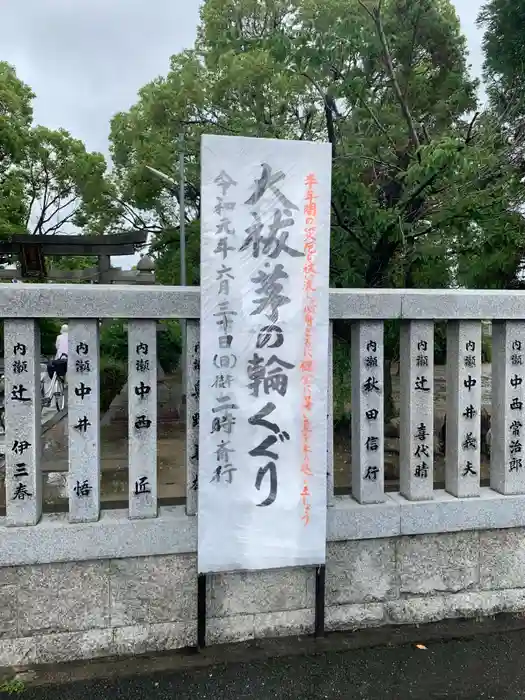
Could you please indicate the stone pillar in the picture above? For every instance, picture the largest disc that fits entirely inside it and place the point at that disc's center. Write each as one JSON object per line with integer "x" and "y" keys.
{"x": 507, "y": 455}
{"x": 192, "y": 389}
{"x": 23, "y": 479}
{"x": 104, "y": 269}
{"x": 142, "y": 416}
{"x": 416, "y": 458}
{"x": 462, "y": 477}
{"x": 368, "y": 477}
{"x": 330, "y": 420}
{"x": 83, "y": 377}
{"x": 145, "y": 271}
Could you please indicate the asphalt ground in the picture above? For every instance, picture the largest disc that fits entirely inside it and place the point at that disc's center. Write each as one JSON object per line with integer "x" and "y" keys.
{"x": 485, "y": 666}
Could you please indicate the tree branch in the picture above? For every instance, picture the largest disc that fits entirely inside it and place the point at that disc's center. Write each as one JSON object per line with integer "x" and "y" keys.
{"x": 207, "y": 122}
{"x": 306, "y": 125}
{"x": 59, "y": 209}
{"x": 44, "y": 202}
{"x": 328, "y": 112}
{"x": 427, "y": 182}
{"x": 33, "y": 195}
{"x": 469, "y": 137}
{"x": 57, "y": 226}
{"x": 330, "y": 129}
{"x": 412, "y": 49}
{"x": 345, "y": 227}
{"x": 377, "y": 122}
{"x": 405, "y": 109}
{"x": 129, "y": 211}
{"x": 372, "y": 159}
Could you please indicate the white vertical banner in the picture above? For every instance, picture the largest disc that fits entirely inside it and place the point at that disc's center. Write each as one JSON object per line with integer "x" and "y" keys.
{"x": 265, "y": 241}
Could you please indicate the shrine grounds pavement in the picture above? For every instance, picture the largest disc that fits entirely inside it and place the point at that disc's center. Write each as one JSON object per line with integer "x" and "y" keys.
{"x": 468, "y": 661}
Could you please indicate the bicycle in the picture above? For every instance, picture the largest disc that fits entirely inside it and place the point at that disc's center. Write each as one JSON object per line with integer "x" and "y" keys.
{"x": 57, "y": 387}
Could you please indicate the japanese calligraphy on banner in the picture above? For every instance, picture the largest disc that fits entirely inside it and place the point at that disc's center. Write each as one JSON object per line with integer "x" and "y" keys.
{"x": 265, "y": 237}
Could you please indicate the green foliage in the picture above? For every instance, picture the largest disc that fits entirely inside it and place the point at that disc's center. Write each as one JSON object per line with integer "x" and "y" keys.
{"x": 169, "y": 345}
{"x": 113, "y": 376}
{"x": 13, "y": 206}
{"x": 64, "y": 182}
{"x": 390, "y": 90}
{"x": 486, "y": 349}
{"x": 114, "y": 343}
{"x": 424, "y": 189}
{"x": 15, "y": 120}
{"x": 16, "y": 115}
{"x": 166, "y": 250}
{"x": 79, "y": 262}
{"x": 49, "y": 329}
{"x": 47, "y": 178}
{"x": 503, "y": 22}
{"x": 342, "y": 380}
{"x": 114, "y": 356}
{"x": 12, "y": 687}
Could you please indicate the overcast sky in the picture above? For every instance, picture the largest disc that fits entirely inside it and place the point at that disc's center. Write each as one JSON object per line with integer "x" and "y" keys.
{"x": 86, "y": 59}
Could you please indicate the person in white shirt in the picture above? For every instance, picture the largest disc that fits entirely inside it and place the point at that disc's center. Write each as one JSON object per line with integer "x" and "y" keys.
{"x": 61, "y": 343}
{"x": 59, "y": 364}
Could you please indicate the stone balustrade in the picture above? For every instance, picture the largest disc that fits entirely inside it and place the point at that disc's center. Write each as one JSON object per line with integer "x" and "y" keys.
{"x": 28, "y": 537}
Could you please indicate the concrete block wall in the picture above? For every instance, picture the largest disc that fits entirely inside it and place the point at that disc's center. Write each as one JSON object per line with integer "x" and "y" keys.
{"x": 251, "y": 605}
{"x": 70, "y": 611}
{"x": 425, "y": 578}
{"x": 61, "y": 612}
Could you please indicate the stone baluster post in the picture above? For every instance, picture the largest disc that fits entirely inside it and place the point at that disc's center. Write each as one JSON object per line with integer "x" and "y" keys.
{"x": 507, "y": 459}
{"x": 23, "y": 420}
{"x": 367, "y": 412}
{"x": 142, "y": 417}
{"x": 463, "y": 435}
{"x": 416, "y": 457}
{"x": 83, "y": 378}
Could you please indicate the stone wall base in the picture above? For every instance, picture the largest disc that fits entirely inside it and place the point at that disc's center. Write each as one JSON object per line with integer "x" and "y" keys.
{"x": 73, "y": 611}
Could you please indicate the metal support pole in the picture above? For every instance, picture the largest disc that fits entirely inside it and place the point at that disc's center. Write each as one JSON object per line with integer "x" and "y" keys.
{"x": 182, "y": 225}
{"x": 320, "y": 586}
{"x": 182, "y": 214}
{"x": 201, "y": 611}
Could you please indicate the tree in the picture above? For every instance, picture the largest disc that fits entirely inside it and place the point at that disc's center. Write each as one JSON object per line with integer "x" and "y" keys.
{"x": 503, "y": 22}
{"x": 419, "y": 179}
{"x": 386, "y": 83}
{"x": 166, "y": 251}
{"x": 47, "y": 178}
{"x": 15, "y": 121}
{"x": 63, "y": 182}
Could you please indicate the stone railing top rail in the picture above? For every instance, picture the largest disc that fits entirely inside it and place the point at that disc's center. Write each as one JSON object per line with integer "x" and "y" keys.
{"x": 159, "y": 302}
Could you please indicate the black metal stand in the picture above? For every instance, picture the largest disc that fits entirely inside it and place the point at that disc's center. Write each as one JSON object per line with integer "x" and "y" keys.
{"x": 320, "y": 580}
{"x": 201, "y": 611}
